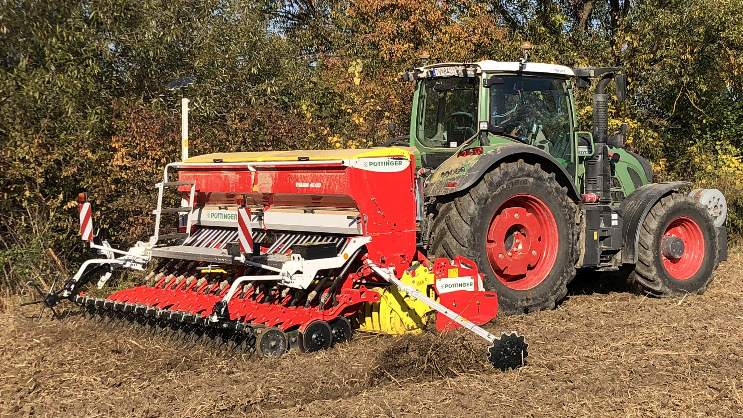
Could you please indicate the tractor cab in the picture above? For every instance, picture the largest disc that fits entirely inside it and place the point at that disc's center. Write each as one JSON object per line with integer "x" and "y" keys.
{"x": 457, "y": 104}
{"x": 480, "y": 107}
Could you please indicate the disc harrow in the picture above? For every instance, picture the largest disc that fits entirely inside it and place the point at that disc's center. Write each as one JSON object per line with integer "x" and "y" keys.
{"x": 179, "y": 325}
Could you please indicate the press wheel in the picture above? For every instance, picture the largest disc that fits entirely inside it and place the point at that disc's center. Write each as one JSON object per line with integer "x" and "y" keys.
{"x": 341, "y": 329}
{"x": 317, "y": 336}
{"x": 271, "y": 342}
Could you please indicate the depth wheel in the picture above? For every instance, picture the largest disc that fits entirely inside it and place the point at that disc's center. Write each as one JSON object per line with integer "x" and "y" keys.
{"x": 317, "y": 336}
{"x": 271, "y": 342}
{"x": 508, "y": 352}
{"x": 518, "y": 225}
{"x": 677, "y": 252}
{"x": 341, "y": 329}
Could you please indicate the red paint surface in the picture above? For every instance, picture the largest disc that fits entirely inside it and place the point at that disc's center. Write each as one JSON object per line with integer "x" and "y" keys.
{"x": 686, "y": 266}
{"x": 522, "y": 242}
{"x": 386, "y": 201}
{"x": 478, "y": 306}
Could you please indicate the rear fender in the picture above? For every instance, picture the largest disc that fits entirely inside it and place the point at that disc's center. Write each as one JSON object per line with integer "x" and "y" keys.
{"x": 460, "y": 173}
{"x": 634, "y": 210}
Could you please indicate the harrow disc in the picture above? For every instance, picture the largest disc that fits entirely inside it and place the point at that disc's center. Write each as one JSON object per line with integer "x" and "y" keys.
{"x": 508, "y": 352}
{"x": 171, "y": 325}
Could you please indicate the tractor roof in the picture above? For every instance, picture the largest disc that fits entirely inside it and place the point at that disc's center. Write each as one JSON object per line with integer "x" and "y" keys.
{"x": 530, "y": 67}
{"x": 490, "y": 66}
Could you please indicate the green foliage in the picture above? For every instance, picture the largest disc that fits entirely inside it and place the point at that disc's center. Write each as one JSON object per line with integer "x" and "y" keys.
{"x": 686, "y": 77}
{"x": 83, "y": 104}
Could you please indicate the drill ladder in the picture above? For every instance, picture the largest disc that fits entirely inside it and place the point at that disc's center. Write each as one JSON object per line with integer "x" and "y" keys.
{"x": 184, "y": 208}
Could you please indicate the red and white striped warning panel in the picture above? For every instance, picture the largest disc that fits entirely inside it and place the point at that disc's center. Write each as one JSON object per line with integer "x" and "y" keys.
{"x": 86, "y": 222}
{"x": 244, "y": 230}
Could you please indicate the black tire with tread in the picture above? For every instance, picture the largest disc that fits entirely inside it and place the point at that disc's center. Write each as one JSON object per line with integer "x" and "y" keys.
{"x": 649, "y": 276}
{"x": 461, "y": 224}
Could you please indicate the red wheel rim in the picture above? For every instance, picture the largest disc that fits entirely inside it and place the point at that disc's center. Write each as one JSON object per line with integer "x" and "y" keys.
{"x": 522, "y": 242}
{"x": 686, "y": 266}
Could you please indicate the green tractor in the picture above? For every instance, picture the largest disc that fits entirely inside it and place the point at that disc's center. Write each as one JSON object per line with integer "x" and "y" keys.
{"x": 510, "y": 181}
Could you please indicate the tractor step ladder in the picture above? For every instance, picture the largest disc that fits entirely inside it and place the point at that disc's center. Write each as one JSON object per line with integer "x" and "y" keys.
{"x": 183, "y": 209}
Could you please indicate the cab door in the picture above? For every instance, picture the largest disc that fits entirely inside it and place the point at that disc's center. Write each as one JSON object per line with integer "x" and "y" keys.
{"x": 444, "y": 117}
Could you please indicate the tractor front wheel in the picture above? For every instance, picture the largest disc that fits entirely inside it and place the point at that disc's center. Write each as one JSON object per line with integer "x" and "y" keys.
{"x": 677, "y": 250}
{"x": 519, "y": 225}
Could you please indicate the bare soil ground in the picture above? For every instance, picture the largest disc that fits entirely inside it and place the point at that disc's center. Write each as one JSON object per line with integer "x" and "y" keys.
{"x": 603, "y": 352}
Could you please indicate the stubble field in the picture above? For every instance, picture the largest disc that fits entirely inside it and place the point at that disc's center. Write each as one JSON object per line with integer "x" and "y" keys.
{"x": 602, "y": 352}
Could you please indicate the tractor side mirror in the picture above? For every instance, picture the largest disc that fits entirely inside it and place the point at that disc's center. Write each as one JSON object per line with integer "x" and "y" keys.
{"x": 617, "y": 141}
{"x": 582, "y": 82}
{"x": 392, "y": 127}
{"x": 586, "y": 147}
{"x": 621, "y": 82}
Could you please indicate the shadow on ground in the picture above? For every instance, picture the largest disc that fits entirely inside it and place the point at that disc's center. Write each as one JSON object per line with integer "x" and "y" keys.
{"x": 588, "y": 282}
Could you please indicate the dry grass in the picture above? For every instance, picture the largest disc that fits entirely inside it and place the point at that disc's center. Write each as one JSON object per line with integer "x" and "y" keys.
{"x": 605, "y": 353}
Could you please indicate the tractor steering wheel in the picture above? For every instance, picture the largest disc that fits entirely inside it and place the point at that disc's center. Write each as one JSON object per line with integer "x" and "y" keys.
{"x": 403, "y": 141}
{"x": 465, "y": 117}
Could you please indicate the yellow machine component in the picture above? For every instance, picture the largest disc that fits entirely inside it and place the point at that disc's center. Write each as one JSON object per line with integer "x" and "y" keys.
{"x": 211, "y": 269}
{"x": 310, "y": 155}
{"x": 395, "y": 313}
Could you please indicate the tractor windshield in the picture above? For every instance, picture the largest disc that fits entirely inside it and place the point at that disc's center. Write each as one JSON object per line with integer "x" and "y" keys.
{"x": 535, "y": 110}
{"x": 447, "y": 111}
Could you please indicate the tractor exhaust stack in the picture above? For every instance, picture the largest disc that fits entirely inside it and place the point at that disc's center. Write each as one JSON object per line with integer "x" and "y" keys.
{"x": 600, "y": 178}
{"x": 598, "y": 170}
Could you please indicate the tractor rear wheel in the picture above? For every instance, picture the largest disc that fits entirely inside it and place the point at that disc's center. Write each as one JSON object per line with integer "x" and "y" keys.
{"x": 677, "y": 251}
{"x": 519, "y": 226}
